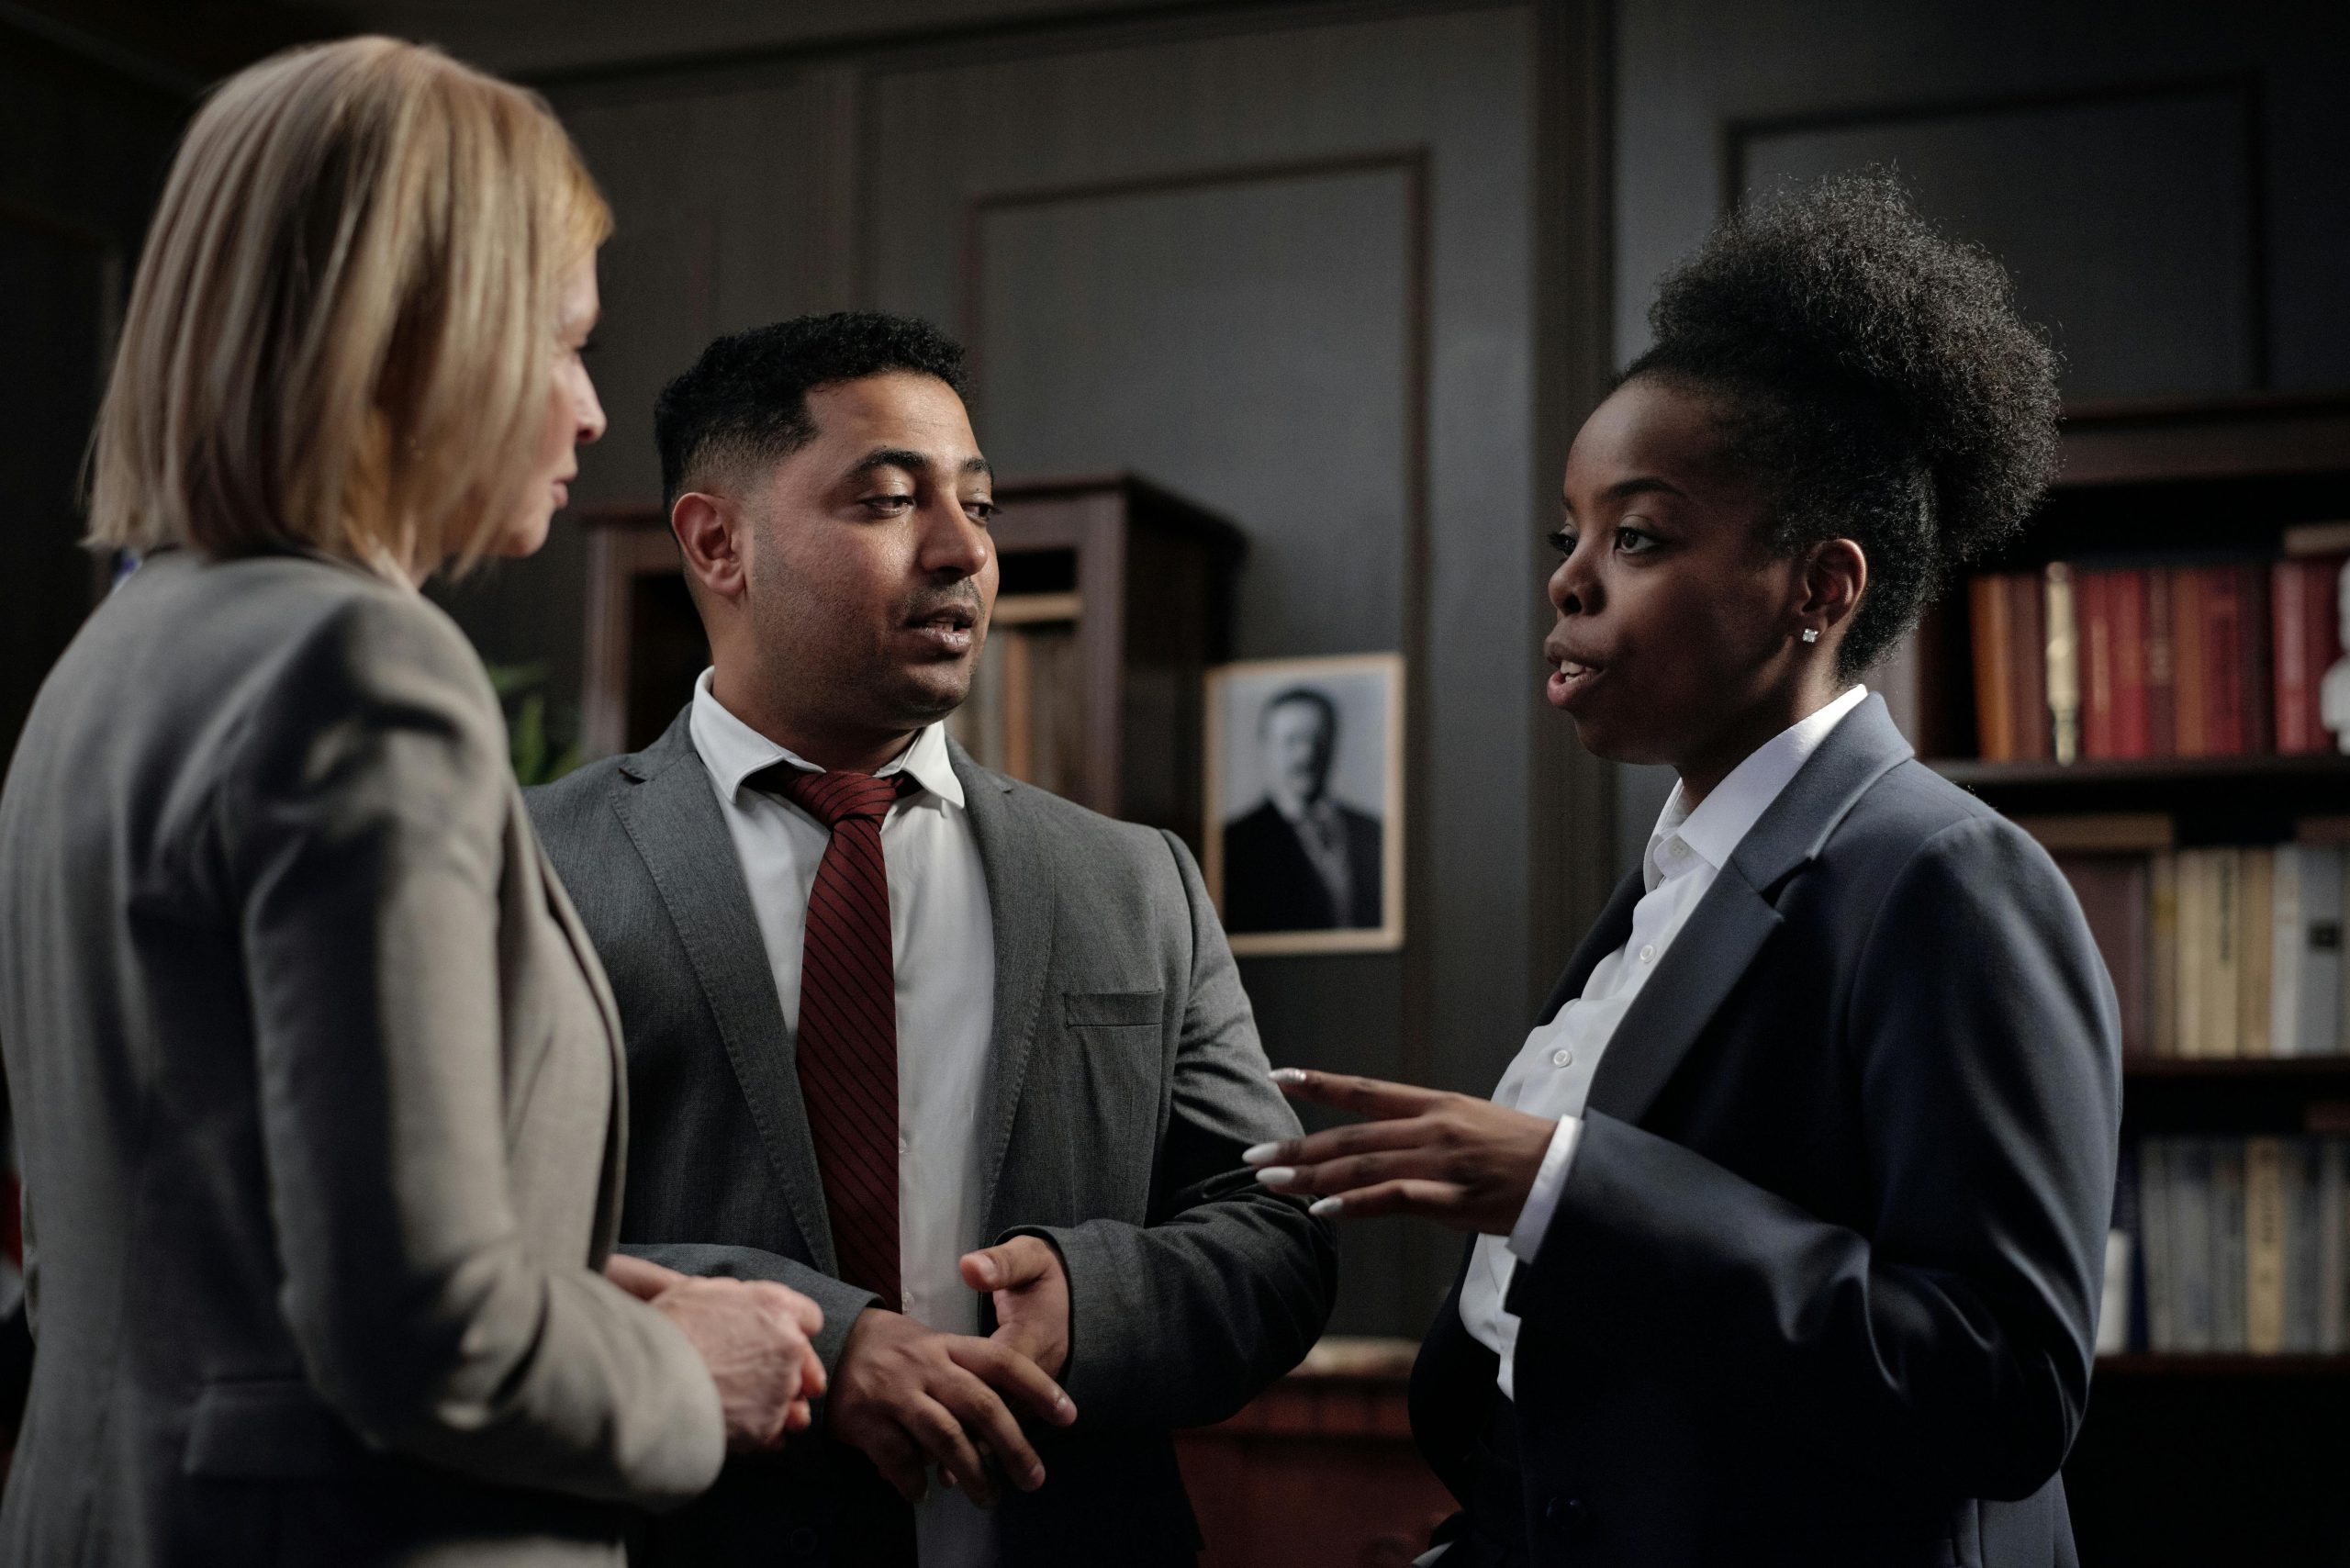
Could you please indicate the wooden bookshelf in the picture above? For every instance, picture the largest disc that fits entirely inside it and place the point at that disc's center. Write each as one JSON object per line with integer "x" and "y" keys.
{"x": 2179, "y": 1450}
{"x": 1116, "y": 597}
{"x": 2140, "y": 1364}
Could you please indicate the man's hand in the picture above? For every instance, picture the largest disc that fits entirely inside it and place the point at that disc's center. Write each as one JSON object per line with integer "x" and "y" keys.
{"x": 907, "y": 1395}
{"x": 1031, "y": 1292}
{"x": 1461, "y": 1161}
{"x": 753, "y": 1334}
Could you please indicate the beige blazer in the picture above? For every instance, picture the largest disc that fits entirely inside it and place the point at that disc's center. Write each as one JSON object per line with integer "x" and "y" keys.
{"x": 318, "y": 1094}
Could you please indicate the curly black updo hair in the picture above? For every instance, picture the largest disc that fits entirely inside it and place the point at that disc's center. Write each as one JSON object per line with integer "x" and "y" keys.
{"x": 1878, "y": 382}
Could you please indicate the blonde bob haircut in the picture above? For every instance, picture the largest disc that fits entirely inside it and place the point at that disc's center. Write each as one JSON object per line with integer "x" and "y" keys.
{"x": 344, "y": 327}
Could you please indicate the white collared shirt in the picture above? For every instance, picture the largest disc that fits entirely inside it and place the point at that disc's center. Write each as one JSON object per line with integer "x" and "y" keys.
{"x": 942, "y": 937}
{"x": 1553, "y": 1073}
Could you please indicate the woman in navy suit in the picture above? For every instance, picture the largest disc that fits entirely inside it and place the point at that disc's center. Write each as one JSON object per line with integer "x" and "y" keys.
{"x": 1791, "y": 1212}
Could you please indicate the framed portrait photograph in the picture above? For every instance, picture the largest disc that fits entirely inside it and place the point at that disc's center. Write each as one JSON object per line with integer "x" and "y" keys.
{"x": 1305, "y": 795}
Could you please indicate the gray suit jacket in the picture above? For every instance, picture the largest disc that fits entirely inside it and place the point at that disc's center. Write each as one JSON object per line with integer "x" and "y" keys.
{"x": 319, "y": 1094}
{"x": 1127, "y": 1078}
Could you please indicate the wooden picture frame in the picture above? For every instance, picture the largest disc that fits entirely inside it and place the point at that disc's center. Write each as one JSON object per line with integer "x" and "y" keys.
{"x": 1270, "y": 885}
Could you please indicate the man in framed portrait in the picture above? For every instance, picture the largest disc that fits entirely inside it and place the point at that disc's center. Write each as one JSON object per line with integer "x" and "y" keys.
{"x": 1300, "y": 860}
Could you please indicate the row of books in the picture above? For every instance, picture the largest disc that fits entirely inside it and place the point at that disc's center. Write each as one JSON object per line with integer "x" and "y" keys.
{"x": 2235, "y": 1245}
{"x": 1026, "y": 713}
{"x": 2222, "y": 952}
{"x": 2222, "y": 660}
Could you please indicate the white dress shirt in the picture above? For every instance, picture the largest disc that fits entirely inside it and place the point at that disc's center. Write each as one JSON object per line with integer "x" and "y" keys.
{"x": 941, "y": 937}
{"x": 1551, "y": 1075}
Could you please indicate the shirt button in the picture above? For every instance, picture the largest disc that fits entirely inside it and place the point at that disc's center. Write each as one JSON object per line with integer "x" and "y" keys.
{"x": 1648, "y": 954}
{"x": 1563, "y": 1057}
{"x": 1676, "y": 849}
{"x": 905, "y": 1147}
{"x": 905, "y": 1301}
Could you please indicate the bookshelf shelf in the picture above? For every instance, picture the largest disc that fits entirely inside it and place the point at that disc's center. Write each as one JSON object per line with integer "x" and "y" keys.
{"x": 2142, "y": 1364}
{"x": 2162, "y": 771}
{"x": 2213, "y": 800}
{"x": 2334, "y": 1072}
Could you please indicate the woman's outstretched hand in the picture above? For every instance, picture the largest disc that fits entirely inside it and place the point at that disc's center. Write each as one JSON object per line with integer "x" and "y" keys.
{"x": 1461, "y": 1161}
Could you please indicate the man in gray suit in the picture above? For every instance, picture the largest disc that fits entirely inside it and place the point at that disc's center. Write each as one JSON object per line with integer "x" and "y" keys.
{"x": 967, "y": 1064}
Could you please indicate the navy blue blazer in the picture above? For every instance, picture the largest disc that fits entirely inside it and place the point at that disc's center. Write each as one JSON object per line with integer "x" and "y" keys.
{"x": 1822, "y": 1284}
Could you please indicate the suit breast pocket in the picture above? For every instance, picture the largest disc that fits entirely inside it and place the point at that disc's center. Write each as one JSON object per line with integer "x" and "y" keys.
{"x": 1112, "y": 1009}
{"x": 1101, "y": 1092}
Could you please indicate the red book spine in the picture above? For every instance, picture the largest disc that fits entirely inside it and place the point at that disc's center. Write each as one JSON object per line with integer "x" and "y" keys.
{"x": 2126, "y": 603}
{"x": 2186, "y": 668}
{"x": 1994, "y": 686}
{"x": 2256, "y": 668}
{"x": 2296, "y": 712}
{"x": 2027, "y": 625}
{"x": 2223, "y": 714}
{"x": 2162, "y": 711}
{"x": 2306, "y": 643}
{"x": 2094, "y": 613}
{"x": 2327, "y": 637}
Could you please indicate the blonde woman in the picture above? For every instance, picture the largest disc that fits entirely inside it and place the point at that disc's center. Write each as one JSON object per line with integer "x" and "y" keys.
{"x": 317, "y": 1082}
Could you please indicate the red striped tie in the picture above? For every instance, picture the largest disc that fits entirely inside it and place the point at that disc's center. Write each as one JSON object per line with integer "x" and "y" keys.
{"x": 848, "y": 1022}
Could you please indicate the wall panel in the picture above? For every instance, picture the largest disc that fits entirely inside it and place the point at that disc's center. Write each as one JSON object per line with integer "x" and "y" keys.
{"x": 1285, "y": 273}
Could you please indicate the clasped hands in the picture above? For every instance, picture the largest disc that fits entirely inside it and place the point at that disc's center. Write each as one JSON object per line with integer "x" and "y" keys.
{"x": 904, "y": 1393}
{"x": 909, "y": 1396}
{"x": 1454, "y": 1159}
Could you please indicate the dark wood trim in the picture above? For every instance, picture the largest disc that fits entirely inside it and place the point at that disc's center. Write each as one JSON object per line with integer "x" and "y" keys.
{"x": 1415, "y": 165}
{"x": 1739, "y": 134}
{"x": 1072, "y": 27}
{"x": 2331, "y": 1071}
{"x": 2176, "y": 1363}
{"x": 1570, "y": 820}
{"x": 24, "y": 25}
{"x": 1739, "y": 131}
{"x": 2255, "y": 435}
{"x": 624, "y": 542}
{"x": 971, "y": 272}
{"x": 1979, "y": 775}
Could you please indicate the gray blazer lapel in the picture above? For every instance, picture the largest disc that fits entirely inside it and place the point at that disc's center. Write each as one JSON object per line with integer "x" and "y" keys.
{"x": 1021, "y": 901}
{"x": 1738, "y": 913}
{"x": 663, "y": 798}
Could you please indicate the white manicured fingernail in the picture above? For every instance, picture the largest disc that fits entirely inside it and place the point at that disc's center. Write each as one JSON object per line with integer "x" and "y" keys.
{"x": 1259, "y": 1153}
{"x": 1326, "y": 1207}
{"x": 1277, "y": 1175}
{"x": 1289, "y": 1075}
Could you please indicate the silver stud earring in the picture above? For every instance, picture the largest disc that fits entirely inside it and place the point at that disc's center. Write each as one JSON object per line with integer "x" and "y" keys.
{"x": 1811, "y": 634}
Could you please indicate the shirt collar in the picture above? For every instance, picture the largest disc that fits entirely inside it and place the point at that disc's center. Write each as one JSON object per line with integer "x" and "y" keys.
{"x": 1713, "y": 830}
{"x": 732, "y": 751}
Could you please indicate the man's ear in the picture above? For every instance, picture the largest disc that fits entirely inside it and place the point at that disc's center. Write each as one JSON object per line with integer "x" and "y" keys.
{"x": 709, "y": 531}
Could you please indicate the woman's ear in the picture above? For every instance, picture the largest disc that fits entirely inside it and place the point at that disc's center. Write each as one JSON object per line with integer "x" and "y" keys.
{"x": 709, "y": 531}
{"x": 1836, "y": 572}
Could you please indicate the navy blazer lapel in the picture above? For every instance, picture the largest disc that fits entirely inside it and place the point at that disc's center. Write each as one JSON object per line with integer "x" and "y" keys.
{"x": 1016, "y": 860}
{"x": 663, "y": 798}
{"x": 1739, "y": 913}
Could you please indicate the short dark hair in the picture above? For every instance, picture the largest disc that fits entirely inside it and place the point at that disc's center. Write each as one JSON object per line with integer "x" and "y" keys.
{"x": 747, "y": 396}
{"x": 1880, "y": 383}
{"x": 1312, "y": 696}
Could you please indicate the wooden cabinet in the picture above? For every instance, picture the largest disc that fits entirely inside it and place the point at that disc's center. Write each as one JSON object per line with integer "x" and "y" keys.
{"x": 1319, "y": 1470}
{"x": 1115, "y": 597}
